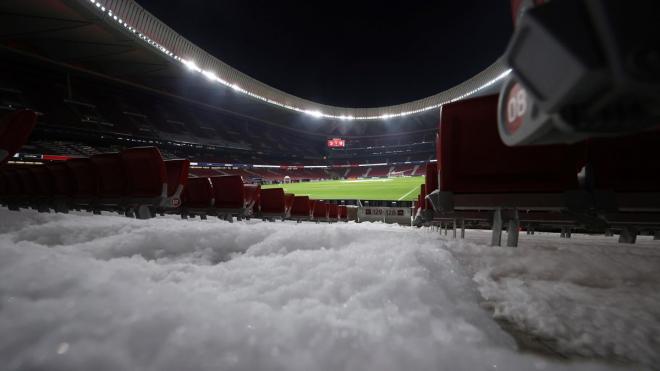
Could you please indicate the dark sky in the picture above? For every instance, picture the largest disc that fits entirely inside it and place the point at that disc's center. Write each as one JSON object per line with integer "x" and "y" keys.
{"x": 358, "y": 53}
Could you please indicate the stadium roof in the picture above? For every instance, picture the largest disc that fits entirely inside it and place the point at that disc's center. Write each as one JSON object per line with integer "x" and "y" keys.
{"x": 120, "y": 39}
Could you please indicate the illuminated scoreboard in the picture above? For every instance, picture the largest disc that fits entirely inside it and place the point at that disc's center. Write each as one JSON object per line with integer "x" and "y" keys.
{"x": 336, "y": 143}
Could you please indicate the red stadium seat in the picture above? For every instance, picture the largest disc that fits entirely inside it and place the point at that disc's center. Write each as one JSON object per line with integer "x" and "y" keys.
{"x": 302, "y": 208}
{"x": 229, "y": 192}
{"x": 177, "y": 176}
{"x": 473, "y": 159}
{"x": 272, "y": 202}
{"x": 198, "y": 194}
{"x": 84, "y": 175}
{"x": 15, "y": 129}
{"x": 252, "y": 196}
{"x": 333, "y": 211}
{"x": 343, "y": 212}
{"x": 431, "y": 178}
{"x": 28, "y": 182}
{"x": 288, "y": 203}
{"x": 63, "y": 177}
{"x": 111, "y": 177}
{"x": 422, "y": 201}
{"x": 146, "y": 176}
{"x": 45, "y": 181}
{"x": 321, "y": 211}
{"x": 626, "y": 164}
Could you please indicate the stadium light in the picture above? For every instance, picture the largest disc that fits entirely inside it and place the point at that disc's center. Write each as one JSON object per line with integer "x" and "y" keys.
{"x": 314, "y": 112}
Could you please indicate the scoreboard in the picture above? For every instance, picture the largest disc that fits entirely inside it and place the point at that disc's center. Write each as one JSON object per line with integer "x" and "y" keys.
{"x": 336, "y": 143}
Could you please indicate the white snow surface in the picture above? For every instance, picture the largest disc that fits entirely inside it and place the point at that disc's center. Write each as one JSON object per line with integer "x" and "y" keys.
{"x": 82, "y": 292}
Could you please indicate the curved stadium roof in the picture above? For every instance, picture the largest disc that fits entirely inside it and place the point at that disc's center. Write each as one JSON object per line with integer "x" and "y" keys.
{"x": 140, "y": 24}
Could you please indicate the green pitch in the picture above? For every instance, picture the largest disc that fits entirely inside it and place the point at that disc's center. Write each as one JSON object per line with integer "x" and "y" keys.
{"x": 394, "y": 189}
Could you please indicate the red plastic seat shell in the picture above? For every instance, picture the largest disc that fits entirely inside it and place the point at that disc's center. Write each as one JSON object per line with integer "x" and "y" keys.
{"x": 301, "y": 207}
{"x": 84, "y": 174}
{"x": 111, "y": 177}
{"x": 272, "y": 201}
{"x": 198, "y": 193}
{"x": 177, "y": 174}
{"x": 626, "y": 164}
{"x": 473, "y": 159}
{"x": 145, "y": 172}
{"x": 229, "y": 192}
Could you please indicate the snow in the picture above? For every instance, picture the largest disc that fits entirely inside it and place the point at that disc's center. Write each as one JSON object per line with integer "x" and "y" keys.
{"x": 81, "y": 292}
{"x": 591, "y": 295}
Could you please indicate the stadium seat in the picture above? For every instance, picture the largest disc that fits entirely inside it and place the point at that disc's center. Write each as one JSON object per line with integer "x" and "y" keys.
{"x": 111, "y": 177}
{"x": 146, "y": 176}
{"x": 229, "y": 195}
{"x": 198, "y": 197}
{"x": 273, "y": 203}
{"x": 85, "y": 178}
{"x": 431, "y": 178}
{"x": 177, "y": 178}
{"x": 288, "y": 203}
{"x": 342, "y": 213}
{"x": 320, "y": 211}
{"x": 625, "y": 179}
{"x": 333, "y": 212}
{"x": 13, "y": 189}
{"x": 473, "y": 159}
{"x": 64, "y": 186}
{"x": 301, "y": 209}
{"x": 252, "y": 197}
{"x": 479, "y": 176}
{"x": 15, "y": 129}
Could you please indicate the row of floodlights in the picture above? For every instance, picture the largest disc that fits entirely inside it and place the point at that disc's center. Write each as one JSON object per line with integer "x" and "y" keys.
{"x": 212, "y": 76}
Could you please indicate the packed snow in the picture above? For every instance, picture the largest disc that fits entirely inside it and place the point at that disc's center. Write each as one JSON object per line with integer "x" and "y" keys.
{"x": 82, "y": 292}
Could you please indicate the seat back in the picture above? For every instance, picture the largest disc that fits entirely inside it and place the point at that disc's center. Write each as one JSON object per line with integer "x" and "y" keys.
{"x": 110, "y": 175}
{"x": 228, "y": 191}
{"x": 252, "y": 195}
{"x": 422, "y": 202}
{"x": 301, "y": 207}
{"x": 198, "y": 193}
{"x": 431, "y": 177}
{"x": 272, "y": 201}
{"x": 332, "y": 211}
{"x": 84, "y": 175}
{"x": 342, "y": 212}
{"x": 15, "y": 129}
{"x": 64, "y": 180}
{"x": 28, "y": 182}
{"x": 13, "y": 184}
{"x": 146, "y": 176}
{"x": 45, "y": 183}
{"x": 288, "y": 202}
{"x": 473, "y": 158}
{"x": 320, "y": 210}
{"x": 626, "y": 164}
{"x": 177, "y": 176}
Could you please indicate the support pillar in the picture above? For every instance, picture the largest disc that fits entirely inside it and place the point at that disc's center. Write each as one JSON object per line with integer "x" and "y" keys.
{"x": 462, "y": 228}
{"x": 453, "y": 223}
{"x": 513, "y": 230}
{"x": 628, "y": 235}
{"x": 496, "y": 239}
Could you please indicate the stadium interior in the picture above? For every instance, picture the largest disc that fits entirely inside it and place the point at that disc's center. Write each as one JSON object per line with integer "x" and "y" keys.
{"x": 106, "y": 110}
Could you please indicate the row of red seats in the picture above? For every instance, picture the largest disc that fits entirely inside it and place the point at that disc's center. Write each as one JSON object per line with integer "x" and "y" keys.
{"x": 136, "y": 181}
{"x": 598, "y": 184}
{"x": 139, "y": 182}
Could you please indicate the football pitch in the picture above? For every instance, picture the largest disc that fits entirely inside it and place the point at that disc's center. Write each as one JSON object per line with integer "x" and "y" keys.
{"x": 389, "y": 189}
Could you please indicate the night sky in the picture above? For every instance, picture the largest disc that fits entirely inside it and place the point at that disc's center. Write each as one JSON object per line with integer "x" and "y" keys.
{"x": 357, "y": 54}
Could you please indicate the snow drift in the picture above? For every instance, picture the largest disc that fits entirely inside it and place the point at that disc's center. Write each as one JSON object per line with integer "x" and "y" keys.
{"x": 109, "y": 293}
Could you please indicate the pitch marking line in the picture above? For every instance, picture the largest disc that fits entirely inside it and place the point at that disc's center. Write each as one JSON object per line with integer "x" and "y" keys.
{"x": 409, "y": 192}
